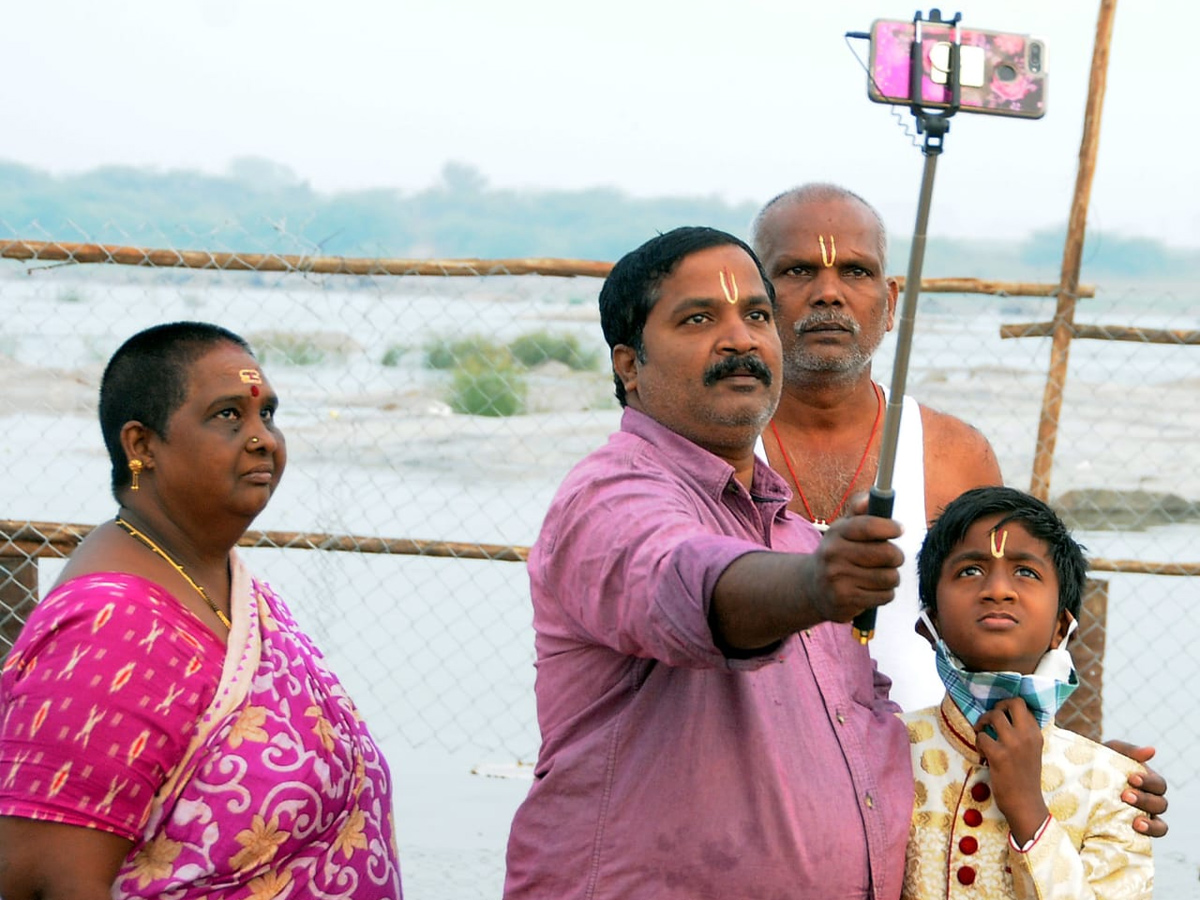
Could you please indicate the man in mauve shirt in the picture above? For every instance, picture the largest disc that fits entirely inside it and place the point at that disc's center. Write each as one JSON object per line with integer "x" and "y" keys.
{"x": 710, "y": 726}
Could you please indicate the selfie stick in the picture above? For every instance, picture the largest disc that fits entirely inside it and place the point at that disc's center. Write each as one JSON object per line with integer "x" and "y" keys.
{"x": 934, "y": 125}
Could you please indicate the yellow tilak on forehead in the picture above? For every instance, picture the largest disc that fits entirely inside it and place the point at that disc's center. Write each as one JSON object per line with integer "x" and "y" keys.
{"x": 998, "y": 552}
{"x": 829, "y": 260}
{"x": 729, "y": 288}
{"x": 250, "y": 376}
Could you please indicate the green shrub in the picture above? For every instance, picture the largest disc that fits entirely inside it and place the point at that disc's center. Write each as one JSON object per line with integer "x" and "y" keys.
{"x": 310, "y": 349}
{"x": 393, "y": 355}
{"x": 290, "y": 349}
{"x": 448, "y": 353}
{"x": 536, "y": 347}
{"x": 480, "y": 389}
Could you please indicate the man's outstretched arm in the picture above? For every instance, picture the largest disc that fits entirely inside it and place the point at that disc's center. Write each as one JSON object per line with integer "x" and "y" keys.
{"x": 762, "y": 598}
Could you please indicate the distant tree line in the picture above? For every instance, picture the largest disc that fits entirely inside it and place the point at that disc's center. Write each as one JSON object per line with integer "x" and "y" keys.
{"x": 260, "y": 206}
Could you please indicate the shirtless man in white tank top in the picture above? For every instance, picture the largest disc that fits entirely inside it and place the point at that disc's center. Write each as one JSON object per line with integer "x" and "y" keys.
{"x": 824, "y": 248}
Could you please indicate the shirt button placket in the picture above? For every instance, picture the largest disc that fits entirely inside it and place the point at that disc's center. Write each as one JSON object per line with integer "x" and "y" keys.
{"x": 968, "y": 845}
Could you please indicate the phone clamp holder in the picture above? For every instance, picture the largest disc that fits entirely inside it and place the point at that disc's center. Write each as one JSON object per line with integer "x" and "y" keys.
{"x": 934, "y": 123}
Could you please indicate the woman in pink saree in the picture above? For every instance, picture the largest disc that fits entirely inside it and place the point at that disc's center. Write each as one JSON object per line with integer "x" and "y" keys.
{"x": 165, "y": 728}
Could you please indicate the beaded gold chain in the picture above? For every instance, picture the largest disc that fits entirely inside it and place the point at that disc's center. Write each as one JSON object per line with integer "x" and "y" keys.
{"x": 146, "y": 541}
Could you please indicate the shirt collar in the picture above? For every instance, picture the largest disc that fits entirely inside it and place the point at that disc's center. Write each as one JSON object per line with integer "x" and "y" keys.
{"x": 957, "y": 730}
{"x": 707, "y": 469}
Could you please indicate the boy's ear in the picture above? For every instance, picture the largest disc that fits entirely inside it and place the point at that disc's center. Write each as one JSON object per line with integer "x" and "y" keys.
{"x": 1062, "y": 629}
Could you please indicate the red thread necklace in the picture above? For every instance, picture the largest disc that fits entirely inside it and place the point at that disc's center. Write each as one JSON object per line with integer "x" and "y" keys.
{"x": 822, "y": 524}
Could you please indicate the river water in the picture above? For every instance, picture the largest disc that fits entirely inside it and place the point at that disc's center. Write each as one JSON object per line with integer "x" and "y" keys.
{"x": 437, "y": 652}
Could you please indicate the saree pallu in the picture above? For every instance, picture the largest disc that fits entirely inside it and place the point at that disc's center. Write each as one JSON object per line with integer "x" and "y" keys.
{"x": 280, "y": 791}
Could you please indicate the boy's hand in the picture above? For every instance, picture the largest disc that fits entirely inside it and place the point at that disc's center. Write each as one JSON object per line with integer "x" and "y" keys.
{"x": 1146, "y": 792}
{"x": 1014, "y": 757}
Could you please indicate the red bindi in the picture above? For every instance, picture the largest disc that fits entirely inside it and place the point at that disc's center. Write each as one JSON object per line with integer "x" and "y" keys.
{"x": 254, "y": 390}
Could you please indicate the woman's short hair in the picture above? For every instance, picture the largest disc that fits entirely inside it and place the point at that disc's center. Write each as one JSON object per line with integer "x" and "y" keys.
{"x": 146, "y": 380}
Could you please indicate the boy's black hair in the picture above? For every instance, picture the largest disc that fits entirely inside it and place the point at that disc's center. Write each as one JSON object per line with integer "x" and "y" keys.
{"x": 632, "y": 286}
{"x": 146, "y": 381}
{"x": 1011, "y": 505}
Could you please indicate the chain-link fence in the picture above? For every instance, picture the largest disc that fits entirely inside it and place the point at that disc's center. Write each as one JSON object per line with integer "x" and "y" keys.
{"x": 430, "y": 417}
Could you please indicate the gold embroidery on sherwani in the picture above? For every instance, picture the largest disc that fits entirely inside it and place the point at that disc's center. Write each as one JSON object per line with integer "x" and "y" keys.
{"x": 1064, "y": 806}
{"x": 1096, "y": 780}
{"x": 1088, "y": 843}
{"x": 950, "y": 795}
{"x": 1081, "y": 755}
{"x": 919, "y": 731}
{"x": 919, "y": 795}
{"x": 1052, "y": 777}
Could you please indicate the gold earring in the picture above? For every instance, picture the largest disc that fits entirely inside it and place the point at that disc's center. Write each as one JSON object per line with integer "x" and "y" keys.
{"x": 135, "y": 466}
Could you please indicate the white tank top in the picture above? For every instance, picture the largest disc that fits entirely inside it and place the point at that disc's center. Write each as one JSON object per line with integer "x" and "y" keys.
{"x": 902, "y": 654}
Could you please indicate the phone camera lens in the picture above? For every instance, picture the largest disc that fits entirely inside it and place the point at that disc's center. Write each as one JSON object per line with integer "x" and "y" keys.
{"x": 1035, "y": 57}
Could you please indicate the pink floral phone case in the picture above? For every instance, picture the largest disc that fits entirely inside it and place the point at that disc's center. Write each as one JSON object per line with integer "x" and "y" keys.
{"x": 1001, "y": 74}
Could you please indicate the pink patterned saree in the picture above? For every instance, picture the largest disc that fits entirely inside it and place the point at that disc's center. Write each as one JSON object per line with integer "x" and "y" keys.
{"x": 238, "y": 772}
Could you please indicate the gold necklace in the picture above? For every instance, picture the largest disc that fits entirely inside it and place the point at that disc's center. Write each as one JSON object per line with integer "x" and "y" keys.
{"x": 147, "y": 542}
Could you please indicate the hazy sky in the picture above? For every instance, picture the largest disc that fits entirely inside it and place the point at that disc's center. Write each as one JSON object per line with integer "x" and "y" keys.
{"x": 702, "y": 97}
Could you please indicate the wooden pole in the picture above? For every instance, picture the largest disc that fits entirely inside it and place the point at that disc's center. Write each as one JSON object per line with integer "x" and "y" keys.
{"x": 55, "y": 540}
{"x": 165, "y": 258}
{"x": 1104, "y": 333}
{"x": 1083, "y": 711}
{"x": 157, "y": 258}
{"x": 995, "y": 288}
{"x": 58, "y": 539}
{"x": 1064, "y": 314}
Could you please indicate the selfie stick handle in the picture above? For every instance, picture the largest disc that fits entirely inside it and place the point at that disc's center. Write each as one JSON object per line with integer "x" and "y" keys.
{"x": 882, "y": 496}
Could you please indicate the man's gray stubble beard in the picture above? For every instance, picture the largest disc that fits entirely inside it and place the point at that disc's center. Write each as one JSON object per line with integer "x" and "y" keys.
{"x": 799, "y": 364}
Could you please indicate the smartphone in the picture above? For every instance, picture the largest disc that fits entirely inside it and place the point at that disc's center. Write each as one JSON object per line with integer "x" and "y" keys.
{"x": 1001, "y": 74}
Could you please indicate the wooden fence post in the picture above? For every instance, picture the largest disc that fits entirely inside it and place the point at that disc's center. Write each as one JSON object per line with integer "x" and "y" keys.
{"x": 1083, "y": 711}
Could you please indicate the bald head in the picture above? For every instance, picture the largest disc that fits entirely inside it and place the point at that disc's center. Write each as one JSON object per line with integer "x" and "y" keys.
{"x": 822, "y": 247}
{"x": 762, "y": 230}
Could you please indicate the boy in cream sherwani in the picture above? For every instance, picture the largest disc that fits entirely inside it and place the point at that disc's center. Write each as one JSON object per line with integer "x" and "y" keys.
{"x": 1008, "y": 805}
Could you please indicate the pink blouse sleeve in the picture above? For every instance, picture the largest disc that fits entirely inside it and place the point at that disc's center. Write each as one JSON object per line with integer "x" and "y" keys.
{"x": 98, "y": 699}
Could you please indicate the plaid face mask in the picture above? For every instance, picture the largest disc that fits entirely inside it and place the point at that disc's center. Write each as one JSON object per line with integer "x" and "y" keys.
{"x": 1044, "y": 692}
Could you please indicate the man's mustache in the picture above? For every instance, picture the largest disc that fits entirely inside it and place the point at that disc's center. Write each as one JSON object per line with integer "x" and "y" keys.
{"x": 733, "y": 365}
{"x": 821, "y": 317}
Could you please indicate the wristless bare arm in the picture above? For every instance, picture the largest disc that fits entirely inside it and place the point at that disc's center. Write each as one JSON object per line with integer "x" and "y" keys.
{"x": 51, "y": 861}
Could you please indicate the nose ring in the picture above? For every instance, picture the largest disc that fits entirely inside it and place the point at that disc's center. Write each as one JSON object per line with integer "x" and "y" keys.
{"x": 253, "y": 440}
